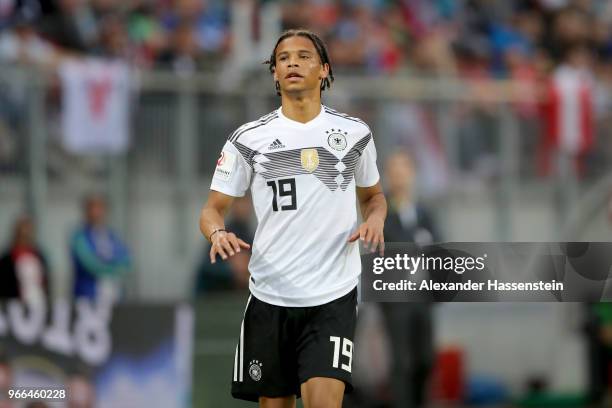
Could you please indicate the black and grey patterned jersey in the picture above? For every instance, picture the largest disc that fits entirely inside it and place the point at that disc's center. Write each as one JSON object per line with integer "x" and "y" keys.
{"x": 302, "y": 178}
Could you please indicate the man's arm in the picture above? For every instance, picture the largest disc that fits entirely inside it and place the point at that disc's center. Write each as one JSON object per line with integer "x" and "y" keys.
{"x": 85, "y": 254}
{"x": 373, "y": 211}
{"x": 212, "y": 226}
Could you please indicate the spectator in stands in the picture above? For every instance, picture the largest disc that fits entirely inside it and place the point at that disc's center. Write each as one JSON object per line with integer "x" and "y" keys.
{"x": 377, "y": 37}
{"x": 24, "y": 272}
{"x": 19, "y": 44}
{"x": 23, "y": 45}
{"x": 73, "y": 26}
{"x": 100, "y": 258}
{"x": 572, "y": 27}
{"x": 233, "y": 274}
{"x": 347, "y": 41}
{"x": 209, "y": 20}
{"x": 146, "y": 34}
{"x": 409, "y": 325}
{"x": 113, "y": 41}
{"x": 183, "y": 55}
{"x": 568, "y": 127}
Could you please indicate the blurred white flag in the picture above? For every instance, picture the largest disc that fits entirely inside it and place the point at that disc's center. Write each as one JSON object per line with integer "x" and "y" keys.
{"x": 95, "y": 106}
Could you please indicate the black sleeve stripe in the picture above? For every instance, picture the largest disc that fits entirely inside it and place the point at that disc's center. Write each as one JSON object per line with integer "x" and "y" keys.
{"x": 344, "y": 116}
{"x": 268, "y": 115}
{"x": 246, "y": 153}
{"x": 257, "y": 124}
{"x": 362, "y": 143}
{"x": 237, "y": 130}
{"x": 246, "y": 125}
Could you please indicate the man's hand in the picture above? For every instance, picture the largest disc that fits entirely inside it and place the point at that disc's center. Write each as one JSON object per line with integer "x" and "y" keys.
{"x": 374, "y": 211}
{"x": 225, "y": 244}
{"x": 371, "y": 234}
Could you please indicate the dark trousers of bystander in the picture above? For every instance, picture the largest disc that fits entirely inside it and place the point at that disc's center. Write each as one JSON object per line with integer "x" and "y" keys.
{"x": 410, "y": 330}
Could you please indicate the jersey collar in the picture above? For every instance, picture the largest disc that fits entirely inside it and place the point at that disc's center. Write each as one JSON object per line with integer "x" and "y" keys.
{"x": 313, "y": 122}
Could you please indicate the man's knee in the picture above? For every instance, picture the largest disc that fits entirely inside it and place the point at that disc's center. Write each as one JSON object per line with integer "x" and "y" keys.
{"x": 283, "y": 402}
{"x": 323, "y": 401}
{"x": 322, "y": 392}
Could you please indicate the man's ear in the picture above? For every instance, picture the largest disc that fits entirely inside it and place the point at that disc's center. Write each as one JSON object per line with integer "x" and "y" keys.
{"x": 274, "y": 75}
{"x": 324, "y": 73}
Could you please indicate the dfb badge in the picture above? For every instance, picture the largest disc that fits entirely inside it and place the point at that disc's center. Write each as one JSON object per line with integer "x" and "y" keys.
{"x": 255, "y": 370}
{"x": 337, "y": 141}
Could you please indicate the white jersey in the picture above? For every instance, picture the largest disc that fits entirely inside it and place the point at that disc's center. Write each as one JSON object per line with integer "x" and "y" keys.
{"x": 302, "y": 178}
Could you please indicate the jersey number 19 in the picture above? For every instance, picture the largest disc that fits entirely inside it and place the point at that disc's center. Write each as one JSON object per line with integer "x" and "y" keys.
{"x": 286, "y": 188}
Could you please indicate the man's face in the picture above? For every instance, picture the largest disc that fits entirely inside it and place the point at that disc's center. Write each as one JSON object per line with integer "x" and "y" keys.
{"x": 96, "y": 211}
{"x": 298, "y": 67}
{"x": 399, "y": 172}
{"x": 25, "y": 232}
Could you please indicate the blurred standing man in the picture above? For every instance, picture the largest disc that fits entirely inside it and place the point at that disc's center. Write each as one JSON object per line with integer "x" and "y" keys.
{"x": 304, "y": 164}
{"x": 409, "y": 325}
{"x": 24, "y": 272}
{"x": 99, "y": 257}
{"x": 407, "y": 220}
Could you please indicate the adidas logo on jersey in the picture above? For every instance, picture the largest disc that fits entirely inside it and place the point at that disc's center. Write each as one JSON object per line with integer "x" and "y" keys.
{"x": 276, "y": 144}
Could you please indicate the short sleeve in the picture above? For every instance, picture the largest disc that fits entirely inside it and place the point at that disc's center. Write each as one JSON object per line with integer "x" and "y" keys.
{"x": 366, "y": 173}
{"x": 232, "y": 175}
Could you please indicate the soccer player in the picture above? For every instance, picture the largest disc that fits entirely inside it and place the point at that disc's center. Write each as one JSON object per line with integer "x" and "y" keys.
{"x": 304, "y": 163}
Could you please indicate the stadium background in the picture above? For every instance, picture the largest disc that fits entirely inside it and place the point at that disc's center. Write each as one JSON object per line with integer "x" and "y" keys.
{"x": 463, "y": 85}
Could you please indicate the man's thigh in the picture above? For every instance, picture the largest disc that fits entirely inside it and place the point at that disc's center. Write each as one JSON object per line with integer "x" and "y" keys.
{"x": 325, "y": 344}
{"x": 265, "y": 362}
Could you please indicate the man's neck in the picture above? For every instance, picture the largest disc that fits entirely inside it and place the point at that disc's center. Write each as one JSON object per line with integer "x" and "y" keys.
{"x": 301, "y": 109}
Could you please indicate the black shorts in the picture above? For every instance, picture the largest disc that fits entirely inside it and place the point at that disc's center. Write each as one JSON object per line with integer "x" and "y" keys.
{"x": 281, "y": 347}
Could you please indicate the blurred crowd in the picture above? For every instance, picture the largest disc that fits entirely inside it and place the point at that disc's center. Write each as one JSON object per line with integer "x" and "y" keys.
{"x": 472, "y": 38}
{"x": 462, "y": 37}
{"x": 143, "y": 33}
{"x": 558, "y": 50}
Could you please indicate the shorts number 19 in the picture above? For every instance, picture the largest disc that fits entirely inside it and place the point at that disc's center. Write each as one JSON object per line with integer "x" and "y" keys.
{"x": 347, "y": 351}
